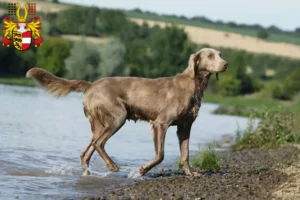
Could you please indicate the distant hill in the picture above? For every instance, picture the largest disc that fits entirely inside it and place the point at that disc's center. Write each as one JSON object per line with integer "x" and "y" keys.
{"x": 274, "y": 33}
{"x": 232, "y": 40}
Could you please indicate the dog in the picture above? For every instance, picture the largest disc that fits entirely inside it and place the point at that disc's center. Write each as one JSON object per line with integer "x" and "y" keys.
{"x": 164, "y": 102}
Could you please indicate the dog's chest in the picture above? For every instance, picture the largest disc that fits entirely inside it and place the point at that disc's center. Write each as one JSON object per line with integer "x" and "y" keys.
{"x": 191, "y": 111}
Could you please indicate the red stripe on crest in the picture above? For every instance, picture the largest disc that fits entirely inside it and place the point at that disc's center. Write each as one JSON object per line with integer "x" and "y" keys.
{"x": 25, "y": 47}
{"x": 26, "y": 34}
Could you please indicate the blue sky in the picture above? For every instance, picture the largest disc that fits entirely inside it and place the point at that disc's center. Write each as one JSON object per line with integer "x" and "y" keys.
{"x": 282, "y": 13}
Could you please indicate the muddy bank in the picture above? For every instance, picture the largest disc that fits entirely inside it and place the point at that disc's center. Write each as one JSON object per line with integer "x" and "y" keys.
{"x": 246, "y": 174}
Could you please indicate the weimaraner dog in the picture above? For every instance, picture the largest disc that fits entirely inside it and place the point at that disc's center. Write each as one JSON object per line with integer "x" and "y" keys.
{"x": 164, "y": 102}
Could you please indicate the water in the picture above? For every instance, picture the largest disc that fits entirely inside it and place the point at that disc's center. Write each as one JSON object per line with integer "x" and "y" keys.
{"x": 41, "y": 138}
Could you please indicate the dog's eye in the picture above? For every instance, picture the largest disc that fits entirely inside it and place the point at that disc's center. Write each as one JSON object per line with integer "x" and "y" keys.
{"x": 220, "y": 54}
{"x": 211, "y": 56}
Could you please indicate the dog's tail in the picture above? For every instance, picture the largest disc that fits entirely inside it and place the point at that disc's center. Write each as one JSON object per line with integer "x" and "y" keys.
{"x": 59, "y": 87}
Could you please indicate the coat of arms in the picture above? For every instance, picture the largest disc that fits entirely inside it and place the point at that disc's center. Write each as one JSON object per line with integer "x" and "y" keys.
{"x": 23, "y": 31}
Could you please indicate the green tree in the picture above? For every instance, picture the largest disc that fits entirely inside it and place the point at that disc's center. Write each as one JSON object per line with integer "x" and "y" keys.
{"x": 170, "y": 51}
{"x": 83, "y": 61}
{"x": 138, "y": 58}
{"x": 90, "y": 63}
{"x": 51, "y": 55}
{"x": 112, "y": 59}
{"x": 78, "y": 20}
{"x": 228, "y": 86}
{"x": 262, "y": 34}
{"x": 16, "y": 63}
{"x": 111, "y": 21}
{"x": 292, "y": 82}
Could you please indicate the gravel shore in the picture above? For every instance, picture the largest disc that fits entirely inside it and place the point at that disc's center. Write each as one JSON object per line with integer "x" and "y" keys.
{"x": 246, "y": 174}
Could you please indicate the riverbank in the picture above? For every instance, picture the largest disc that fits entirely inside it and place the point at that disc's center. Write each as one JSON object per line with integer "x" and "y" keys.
{"x": 17, "y": 81}
{"x": 246, "y": 174}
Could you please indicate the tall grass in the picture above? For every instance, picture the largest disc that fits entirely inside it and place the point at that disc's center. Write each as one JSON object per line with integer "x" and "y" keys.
{"x": 277, "y": 127}
{"x": 207, "y": 159}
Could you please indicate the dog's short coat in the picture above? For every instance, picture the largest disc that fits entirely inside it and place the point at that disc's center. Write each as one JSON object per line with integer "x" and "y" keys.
{"x": 164, "y": 102}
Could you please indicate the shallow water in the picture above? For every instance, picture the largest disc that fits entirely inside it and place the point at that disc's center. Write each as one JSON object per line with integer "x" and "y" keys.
{"x": 41, "y": 138}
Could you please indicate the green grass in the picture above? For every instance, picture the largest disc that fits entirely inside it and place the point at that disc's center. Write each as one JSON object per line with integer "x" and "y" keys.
{"x": 207, "y": 159}
{"x": 17, "y": 81}
{"x": 240, "y": 101}
{"x": 275, "y": 37}
{"x": 277, "y": 127}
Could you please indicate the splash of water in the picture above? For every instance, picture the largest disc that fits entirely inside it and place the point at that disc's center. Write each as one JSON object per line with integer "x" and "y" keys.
{"x": 63, "y": 169}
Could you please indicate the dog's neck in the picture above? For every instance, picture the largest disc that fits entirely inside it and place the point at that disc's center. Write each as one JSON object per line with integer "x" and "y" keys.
{"x": 201, "y": 80}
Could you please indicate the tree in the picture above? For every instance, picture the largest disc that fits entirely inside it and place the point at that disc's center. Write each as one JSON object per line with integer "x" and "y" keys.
{"x": 78, "y": 20}
{"x": 83, "y": 61}
{"x": 170, "y": 49}
{"x": 262, "y": 34}
{"x": 90, "y": 63}
{"x": 51, "y": 55}
{"x": 292, "y": 82}
{"x": 228, "y": 86}
{"x": 112, "y": 59}
{"x": 112, "y": 21}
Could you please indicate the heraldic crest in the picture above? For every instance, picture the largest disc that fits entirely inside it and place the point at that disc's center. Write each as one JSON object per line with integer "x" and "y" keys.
{"x": 24, "y": 30}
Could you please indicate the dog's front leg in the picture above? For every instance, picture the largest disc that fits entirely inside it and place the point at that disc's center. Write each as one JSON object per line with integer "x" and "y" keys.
{"x": 183, "y": 134}
{"x": 159, "y": 134}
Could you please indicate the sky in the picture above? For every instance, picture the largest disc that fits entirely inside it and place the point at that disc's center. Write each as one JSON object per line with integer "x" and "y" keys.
{"x": 285, "y": 14}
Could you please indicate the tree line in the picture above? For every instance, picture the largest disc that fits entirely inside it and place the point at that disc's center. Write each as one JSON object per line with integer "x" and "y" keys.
{"x": 133, "y": 50}
{"x": 262, "y": 32}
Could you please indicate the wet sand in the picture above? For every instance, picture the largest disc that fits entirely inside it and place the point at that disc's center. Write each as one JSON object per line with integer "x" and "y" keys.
{"x": 246, "y": 174}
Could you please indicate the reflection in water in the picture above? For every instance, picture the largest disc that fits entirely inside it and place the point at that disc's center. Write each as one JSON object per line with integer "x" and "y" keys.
{"x": 42, "y": 138}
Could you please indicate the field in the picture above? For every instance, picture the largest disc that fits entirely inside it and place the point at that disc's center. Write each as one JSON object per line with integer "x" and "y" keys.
{"x": 275, "y": 37}
{"x": 231, "y": 40}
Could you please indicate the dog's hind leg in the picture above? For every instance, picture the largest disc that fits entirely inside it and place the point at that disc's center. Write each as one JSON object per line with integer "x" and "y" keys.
{"x": 113, "y": 122}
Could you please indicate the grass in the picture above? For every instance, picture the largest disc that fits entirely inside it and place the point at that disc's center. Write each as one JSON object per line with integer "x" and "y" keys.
{"x": 207, "y": 159}
{"x": 17, "y": 81}
{"x": 257, "y": 102}
{"x": 276, "y": 37}
{"x": 278, "y": 126}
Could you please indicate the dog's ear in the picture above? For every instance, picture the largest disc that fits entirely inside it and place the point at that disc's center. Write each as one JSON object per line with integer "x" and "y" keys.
{"x": 192, "y": 69}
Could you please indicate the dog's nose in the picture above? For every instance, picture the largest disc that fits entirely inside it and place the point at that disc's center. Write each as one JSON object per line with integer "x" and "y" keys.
{"x": 225, "y": 65}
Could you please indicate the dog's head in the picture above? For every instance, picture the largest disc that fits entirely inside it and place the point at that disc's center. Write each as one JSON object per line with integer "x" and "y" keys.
{"x": 207, "y": 59}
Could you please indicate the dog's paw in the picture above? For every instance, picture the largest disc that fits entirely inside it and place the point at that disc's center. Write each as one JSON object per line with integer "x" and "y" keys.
{"x": 196, "y": 174}
{"x": 86, "y": 173}
{"x": 142, "y": 171}
{"x": 113, "y": 168}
